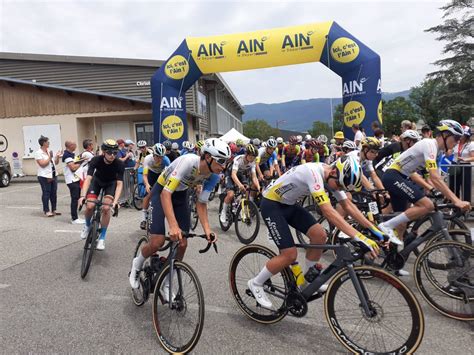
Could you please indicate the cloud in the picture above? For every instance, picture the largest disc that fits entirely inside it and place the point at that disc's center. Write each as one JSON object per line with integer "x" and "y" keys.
{"x": 154, "y": 29}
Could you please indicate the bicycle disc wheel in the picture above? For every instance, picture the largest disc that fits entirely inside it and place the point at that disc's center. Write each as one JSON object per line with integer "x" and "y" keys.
{"x": 179, "y": 326}
{"x": 247, "y": 222}
{"x": 225, "y": 226}
{"x": 396, "y": 324}
{"x": 448, "y": 289}
{"x": 89, "y": 247}
{"x": 245, "y": 265}
{"x": 140, "y": 295}
{"x": 138, "y": 196}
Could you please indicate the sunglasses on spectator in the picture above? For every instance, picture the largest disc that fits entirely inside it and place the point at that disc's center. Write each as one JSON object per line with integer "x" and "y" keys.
{"x": 111, "y": 152}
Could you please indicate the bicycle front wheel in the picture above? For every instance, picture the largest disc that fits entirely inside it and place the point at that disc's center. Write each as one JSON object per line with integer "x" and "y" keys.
{"x": 247, "y": 222}
{"x": 178, "y": 324}
{"x": 139, "y": 193}
{"x": 140, "y": 295}
{"x": 448, "y": 289}
{"x": 396, "y": 323}
{"x": 89, "y": 247}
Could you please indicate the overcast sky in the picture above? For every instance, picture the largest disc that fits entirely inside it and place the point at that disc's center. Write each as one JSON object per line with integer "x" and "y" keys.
{"x": 154, "y": 29}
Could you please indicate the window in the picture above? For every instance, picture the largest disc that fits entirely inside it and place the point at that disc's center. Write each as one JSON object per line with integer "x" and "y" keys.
{"x": 144, "y": 131}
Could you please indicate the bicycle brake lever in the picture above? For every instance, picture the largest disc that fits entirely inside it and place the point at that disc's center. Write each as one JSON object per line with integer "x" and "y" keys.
{"x": 215, "y": 247}
{"x": 115, "y": 211}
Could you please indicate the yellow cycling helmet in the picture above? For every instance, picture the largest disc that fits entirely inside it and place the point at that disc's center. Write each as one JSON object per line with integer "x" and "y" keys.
{"x": 199, "y": 144}
{"x": 251, "y": 150}
{"x": 371, "y": 143}
{"x": 339, "y": 135}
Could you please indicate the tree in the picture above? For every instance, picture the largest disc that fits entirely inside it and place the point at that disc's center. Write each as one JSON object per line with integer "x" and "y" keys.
{"x": 259, "y": 129}
{"x": 338, "y": 118}
{"x": 455, "y": 73}
{"x": 320, "y": 128}
{"x": 426, "y": 102}
{"x": 394, "y": 112}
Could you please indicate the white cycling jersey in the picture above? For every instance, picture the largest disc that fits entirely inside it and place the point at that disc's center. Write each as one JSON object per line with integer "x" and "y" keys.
{"x": 149, "y": 164}
{"x": 355, "y": 154}
{"x": 241, "y": 165}
{"x": 300, "y": 181}
{"x": 422, "y": 155}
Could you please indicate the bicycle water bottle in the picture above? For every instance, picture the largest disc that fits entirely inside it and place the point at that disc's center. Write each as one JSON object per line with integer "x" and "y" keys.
{"x": 313, "y": 272}
{"x": 298, "y": 273}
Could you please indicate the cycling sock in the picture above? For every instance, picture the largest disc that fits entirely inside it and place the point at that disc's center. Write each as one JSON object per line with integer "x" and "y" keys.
{"x": 140, "y": 259}
{"x": 307, "y": 265}
{"x": 225, "y": 206}
{"x": 103, "y": 230}
{"x": 395, "y": 221}
{"x": 88, "y": 221}
{"x": 263, "y": 276}
{"x": 144, "y": 212}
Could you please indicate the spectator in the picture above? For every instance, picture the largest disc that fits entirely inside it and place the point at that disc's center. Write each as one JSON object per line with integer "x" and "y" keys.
{"x": 129, "y": 146}
{"x": 460, "y": 177}
{"x": 405, "y": 125}
{"x": 47, "y": 176}
{"x": 426, "y": 132}
{"x": 358, "y": 135}
{"x": 71, "y": 167}
{"x": 86, "y": 157}
{"x": 379, "y": 134}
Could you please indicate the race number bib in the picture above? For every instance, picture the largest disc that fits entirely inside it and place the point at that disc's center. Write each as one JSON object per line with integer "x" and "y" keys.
{"x": 373, "y": 208}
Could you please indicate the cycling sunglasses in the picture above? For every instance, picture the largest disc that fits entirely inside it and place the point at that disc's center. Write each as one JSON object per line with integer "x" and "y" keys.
{"x": 220, "y": 161}
{"x": 111, "y": 152}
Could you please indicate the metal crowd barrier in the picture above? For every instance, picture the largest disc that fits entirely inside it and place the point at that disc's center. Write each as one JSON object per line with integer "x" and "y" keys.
{"x": 460, "y": 178}
{"x": 126, "y": 198}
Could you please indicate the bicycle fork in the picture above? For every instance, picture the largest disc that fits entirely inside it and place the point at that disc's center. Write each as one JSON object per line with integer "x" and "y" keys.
{"x": 361, "y": 291}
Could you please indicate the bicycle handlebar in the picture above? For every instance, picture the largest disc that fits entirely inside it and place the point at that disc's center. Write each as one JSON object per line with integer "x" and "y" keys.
{"x": 100, "y": 203}
{"x": 204, "y": 236}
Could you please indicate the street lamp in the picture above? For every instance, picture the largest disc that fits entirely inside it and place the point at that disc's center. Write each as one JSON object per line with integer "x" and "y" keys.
{"x": 279, "y": 121}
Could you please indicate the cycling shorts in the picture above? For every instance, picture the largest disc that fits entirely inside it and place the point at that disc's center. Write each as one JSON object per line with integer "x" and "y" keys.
{"x": 152, "y": 178}
{"x": 180, "y": 207}
{"x": 229, "y": 183}
{"x": 264, "y": 166}
{"x": 278, "y": 217}
{"x": 97, "y": 186}
{"x": 402, "y": 190}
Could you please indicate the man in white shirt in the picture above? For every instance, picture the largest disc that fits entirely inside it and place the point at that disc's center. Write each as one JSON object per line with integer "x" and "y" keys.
{"x": 358, "y": 135}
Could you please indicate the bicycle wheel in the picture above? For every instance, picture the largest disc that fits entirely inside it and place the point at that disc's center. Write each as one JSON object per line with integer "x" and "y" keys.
{"x": 247, "y": 222}
{"x": 225, "y": 226}
{"x": 139, "y": 193}
{"x": 449, "y": 289}
{"x": 140, "y": 295}
{"x": 89, "y": 248}
{"x": 456, "y": 235}
{"x": 193, "y": 213}
{"x": 179, "y": 326}
{"x": 396, "y": 325}
{"x": 245, "y": 265}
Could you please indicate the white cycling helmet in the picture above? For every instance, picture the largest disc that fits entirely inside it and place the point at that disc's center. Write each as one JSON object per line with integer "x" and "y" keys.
{"x": 271, "y": 143}
{"x": 349, "y": 145}
{"x": 411, "y": 134}
{"x": 451, "y": 126}
{"x": 307, "y": 137}
{"x": 141, "y": 144}
{"x": 323, "y": 139}
{"x": 256, "y": 142}
{"x": 159, "y": 150}
{"x": 185, "y": 145}
{"x": 264, "y": 144}
{"x": 349, "y": 174}
{"x": 279, "y": 140}
{"x": 191, "y": 146}
{"x": 175, "y": 146}
{"x": 217, "y": 148}
{"x": 299, "y": 138}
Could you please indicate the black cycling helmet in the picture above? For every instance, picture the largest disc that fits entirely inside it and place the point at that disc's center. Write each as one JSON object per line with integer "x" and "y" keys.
{"x": 167, "y": 145}
{"x": 109, "y": 144}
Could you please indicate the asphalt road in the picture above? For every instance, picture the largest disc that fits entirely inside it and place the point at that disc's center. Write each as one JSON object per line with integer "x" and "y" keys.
{"x": 45, "y": 307}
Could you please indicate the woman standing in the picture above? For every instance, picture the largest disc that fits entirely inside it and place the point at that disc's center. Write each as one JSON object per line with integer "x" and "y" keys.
{"x": 47, "y": 176}
{"x": 460, "y": 177}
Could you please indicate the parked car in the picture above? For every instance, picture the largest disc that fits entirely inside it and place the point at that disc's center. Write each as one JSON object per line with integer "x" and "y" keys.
{"x": 5, "y": 172}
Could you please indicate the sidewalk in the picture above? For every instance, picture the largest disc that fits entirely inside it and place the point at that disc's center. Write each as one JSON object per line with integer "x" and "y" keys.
{"x": 30, "y": 179}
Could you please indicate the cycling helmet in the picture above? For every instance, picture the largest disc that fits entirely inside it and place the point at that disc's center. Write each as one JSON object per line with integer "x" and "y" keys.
{"x": 109, "y": 144}
{"x": 167, "y": 145}
{"x": 299, "y": 138}
{"x": 185, "y": 145}
{"x": 199, "y": 144}
{"x": 349, "y": 145}
{"x": 411, "y": 134}
{"x": 175, "y": 146}
{"x": 293, "y": 140}
{"x": 271, "y": 143}
{"x": 217, "y": 148}
{"x": 141, "y": 144}
{"x": 371, "y": 143}
{"x": 279, "y": 140}
{"x": 233, "y": 148}
{"x": 307, "y": 137}
{"x": 450, "y": 126}
{"x": 264, "y": 144}
{"x": 239, "y": 142}
{"x": 323, "y": 139}
{"x": 467, "y": 131}
{"x": 191, "y": 146}
{"x": 312, "y": 143}
{"x": 251, "y": 150}
{"x": 339, "y": 135}
{"x": 349, "y": 174}
{"x": 256, "y": 142}
{"x": 159, "y": 150}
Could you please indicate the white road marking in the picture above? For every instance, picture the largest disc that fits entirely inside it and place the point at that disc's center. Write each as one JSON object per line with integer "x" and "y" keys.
{"x": 4, "y": 286}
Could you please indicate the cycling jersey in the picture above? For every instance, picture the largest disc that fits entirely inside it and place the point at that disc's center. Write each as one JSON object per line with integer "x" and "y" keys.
{"x": 143, "y": 155}
{"x": 106, "y": 172}
{"x": 300, "y": 181}
{"x": 422, "y": 155}
{"x": 183, "y": 173}
{"x": 149, "y": 164}
{"x": 290, "y": 152}
{"x": 309, "y": 157}
{"x": 241, "y": 165}
{"x": 263, "y": 157}
{"x": 387, "y": 155}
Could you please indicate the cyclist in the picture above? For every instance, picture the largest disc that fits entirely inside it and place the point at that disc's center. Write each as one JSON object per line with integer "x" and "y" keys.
{"x": 279, "y": 209}
{"x": 401, "y": 178}
{"x": 310, "y": 154}
{"x": 291, "y": 153}
{"x": 243, "y": 167}
{"x": 153, "y": 165}
{"x": 323, "y": 148}
{"x": 105, "y": 172}
{"x": 144, "y": 151}
{"x": 188, "y": 147}
{"x": 240, "y": 146}
{"x": 175, "y": 149}
{"x": 169, "y": 200}
{"x": 370, "y": 147}
{"x": 198, "y": 147}
{"x": 171, "y": 154}
{"x": 267, "y": 161}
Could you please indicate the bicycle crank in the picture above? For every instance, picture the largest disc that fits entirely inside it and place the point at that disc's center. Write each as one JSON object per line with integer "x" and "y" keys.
{"x": 296, "y": 304}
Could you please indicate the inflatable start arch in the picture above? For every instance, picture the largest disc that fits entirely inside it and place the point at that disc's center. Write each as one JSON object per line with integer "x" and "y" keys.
{"x": 354, "y": 62}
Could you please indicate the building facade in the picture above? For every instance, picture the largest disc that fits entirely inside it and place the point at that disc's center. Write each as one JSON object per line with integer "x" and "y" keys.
{"x": 74, "y": 98}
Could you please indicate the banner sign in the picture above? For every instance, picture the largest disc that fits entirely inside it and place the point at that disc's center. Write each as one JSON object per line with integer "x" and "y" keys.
{"x": 327, "y": 42}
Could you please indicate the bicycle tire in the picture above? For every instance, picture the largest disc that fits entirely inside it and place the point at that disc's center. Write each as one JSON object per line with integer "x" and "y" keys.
{"x": 137, "y": 199}
{"x": 373, "y": 288}
{"x": 225, "y": 226}
{"x": 140, "y": 295}
{"x": 160, "y": 309}
{"x": 253, "y": 214}
{"x": 4, "y": 146}
{"x": 435, "y": 290}
{"x": 238, "y": 278}
{"x": 89, "y": 247}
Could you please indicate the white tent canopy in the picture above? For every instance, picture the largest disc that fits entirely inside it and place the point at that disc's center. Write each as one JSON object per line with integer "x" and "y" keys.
{"x": 233, "y": 135}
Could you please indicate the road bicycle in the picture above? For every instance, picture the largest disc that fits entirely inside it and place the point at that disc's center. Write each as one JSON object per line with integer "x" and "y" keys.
{"x": 378, "y": 314}
{"x": 139, "y": 191}
{"x": 194, "y": 217}
{"x": 178, "y": 324}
